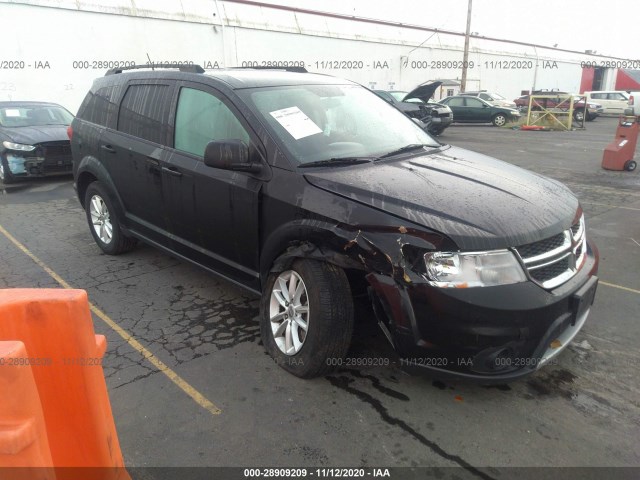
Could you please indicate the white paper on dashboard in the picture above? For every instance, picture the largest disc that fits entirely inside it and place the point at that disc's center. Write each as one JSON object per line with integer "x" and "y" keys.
{"x": 296, "y": 122}
{"x": 11, "y": 113}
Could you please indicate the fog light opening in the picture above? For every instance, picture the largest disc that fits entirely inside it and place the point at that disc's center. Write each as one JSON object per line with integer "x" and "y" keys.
{"x": 501, "y": 359}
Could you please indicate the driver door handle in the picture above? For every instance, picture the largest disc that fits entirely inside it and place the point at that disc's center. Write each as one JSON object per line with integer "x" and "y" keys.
{"x": 172, "y": 171}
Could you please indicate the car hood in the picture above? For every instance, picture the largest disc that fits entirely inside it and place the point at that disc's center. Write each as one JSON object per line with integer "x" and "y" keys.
{"x": 33, "y": 135}
{"x": 423, "y": 92}
{"x": 477, "y": 201}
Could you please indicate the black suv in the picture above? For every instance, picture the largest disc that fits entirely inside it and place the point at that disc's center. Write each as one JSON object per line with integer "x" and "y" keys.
{"x": 303, "y": 187}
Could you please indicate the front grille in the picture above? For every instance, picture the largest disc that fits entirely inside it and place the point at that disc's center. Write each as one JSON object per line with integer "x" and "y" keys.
{"x": 541, "y": 247}
{"x": 55, "y": 149}
{"x": 544, "y": 274}
{"x": 575, "y": 229}
{"x": 554, "y": 260}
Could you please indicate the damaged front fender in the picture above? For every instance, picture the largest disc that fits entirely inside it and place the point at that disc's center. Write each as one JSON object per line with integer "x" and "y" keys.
{"x": 395, "y": 252}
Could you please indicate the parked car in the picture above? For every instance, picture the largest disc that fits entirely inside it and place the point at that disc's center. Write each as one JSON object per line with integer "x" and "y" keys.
{"x": 493, "y": 98}
{"x": 613, "y": 102}
{"x": 33, "y": 140}
{"x": 417, "y": 104}
{"x": 558, "y": 100}
{"x": 306, "y": 188}
{"x": 467, "y": 109}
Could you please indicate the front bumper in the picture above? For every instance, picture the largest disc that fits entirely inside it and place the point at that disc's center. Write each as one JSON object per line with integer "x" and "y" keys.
{"x": 442, "y": 122}
{"x": 33, "y": 165}
{"x": 489, "y": 334}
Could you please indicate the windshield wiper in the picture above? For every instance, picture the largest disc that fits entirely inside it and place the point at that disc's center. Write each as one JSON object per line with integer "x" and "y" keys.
{"x": 337, "y": 161}
{"x": 407, "y": 148}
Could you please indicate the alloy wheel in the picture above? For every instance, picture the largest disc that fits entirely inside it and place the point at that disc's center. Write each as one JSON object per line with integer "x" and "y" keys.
{"x": 100, "y": 219}
{"x": 289, "y": 312}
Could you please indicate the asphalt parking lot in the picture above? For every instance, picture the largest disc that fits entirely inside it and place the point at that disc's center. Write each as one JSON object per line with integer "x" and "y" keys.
{"x": 236, "y": 407}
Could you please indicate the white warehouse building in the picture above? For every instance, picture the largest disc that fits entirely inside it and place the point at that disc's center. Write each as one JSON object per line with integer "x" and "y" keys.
{"x": 70, "y": 42}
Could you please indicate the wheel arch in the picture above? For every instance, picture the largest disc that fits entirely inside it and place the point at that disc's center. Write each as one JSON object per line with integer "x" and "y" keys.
{"x": 304, "y": 239}
{"x": 90, "y": 170}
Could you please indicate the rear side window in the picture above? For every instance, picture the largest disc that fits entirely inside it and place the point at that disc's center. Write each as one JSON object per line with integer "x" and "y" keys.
{"x": 144, "y": 112}
{"x": 97, "y": 106}
{"x": 473, "y": 102}
{"x": 202, "y": 118}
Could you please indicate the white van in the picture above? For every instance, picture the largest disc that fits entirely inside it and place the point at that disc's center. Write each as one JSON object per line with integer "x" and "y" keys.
{"x": 613, "y": 101}
{"x": 634, "y": 103}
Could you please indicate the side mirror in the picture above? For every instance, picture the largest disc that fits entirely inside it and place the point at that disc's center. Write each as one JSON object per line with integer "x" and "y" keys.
{"x": 230, "y": 155}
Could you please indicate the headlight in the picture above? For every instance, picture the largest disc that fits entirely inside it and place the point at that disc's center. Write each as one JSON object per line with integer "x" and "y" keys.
{"x": 18, "y": 146}
{"x": 464, "y": 270}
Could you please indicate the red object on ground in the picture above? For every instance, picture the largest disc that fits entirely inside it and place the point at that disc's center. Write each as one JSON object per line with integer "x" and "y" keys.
{"x": 535, "y": 128}
{"x": 65, "y": 358}
{"x": 618, "y": 155}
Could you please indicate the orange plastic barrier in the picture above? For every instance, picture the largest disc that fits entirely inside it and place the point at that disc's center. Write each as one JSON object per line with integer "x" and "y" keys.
{"x": 23, "y": 437}
{"x": 65, "y": 357}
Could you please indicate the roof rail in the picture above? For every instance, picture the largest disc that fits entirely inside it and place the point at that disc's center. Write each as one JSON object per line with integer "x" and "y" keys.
{"x": 288, "y": 69}
{"x": 180, "y": 66}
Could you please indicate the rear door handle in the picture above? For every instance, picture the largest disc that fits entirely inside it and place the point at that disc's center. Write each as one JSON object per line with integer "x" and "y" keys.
{"x": 108, "y": 148}
{"x": 172, "y": 171}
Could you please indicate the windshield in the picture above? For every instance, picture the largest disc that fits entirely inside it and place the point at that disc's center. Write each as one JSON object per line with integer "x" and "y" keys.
{"x": 497, "y": 96}
{"x": 34, "y": 116}
{"x": 320, "y": 122}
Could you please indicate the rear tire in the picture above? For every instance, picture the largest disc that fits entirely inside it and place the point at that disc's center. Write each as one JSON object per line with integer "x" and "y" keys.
{"x": 630, "y": 165}
{"x": 104, "y": 222}
{"x": 306, "y": 325}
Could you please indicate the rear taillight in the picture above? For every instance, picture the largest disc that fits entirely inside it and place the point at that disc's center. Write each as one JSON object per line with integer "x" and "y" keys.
{"x": 631, "y": 101}
{"x": 70, "y": 132}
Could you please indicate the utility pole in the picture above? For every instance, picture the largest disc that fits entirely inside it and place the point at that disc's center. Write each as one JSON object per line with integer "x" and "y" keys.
{"x": 465, "y": 58}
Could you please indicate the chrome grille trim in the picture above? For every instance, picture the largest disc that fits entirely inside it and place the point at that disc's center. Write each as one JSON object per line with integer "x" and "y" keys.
{"x": 552, "y": 262}
{"x": 565, "y": 247}
{"x": 543, "y": 267}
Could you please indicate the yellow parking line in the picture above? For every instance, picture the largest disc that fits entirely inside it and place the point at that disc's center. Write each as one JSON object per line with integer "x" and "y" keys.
{"x": 195, "y": 395}
{"x": 613, "y": 285}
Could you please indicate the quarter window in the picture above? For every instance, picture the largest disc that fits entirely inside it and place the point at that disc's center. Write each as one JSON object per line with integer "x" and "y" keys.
{"x": 202, "y": 118}
{"x": 98, "y": 106}
{"x": 144, "y": 112}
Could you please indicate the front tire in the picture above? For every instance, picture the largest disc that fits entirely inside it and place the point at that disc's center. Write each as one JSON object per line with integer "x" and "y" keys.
{"x": 630, "y": 165}
{"x": 104, "y": 222}
{"x": 5, "y": 174}
{"x": 306, "y": 317}
{"x": 578, "y": 115}
{"x": 499, "y": 120}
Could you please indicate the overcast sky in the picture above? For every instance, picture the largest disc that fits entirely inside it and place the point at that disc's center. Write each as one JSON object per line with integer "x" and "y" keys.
{"x": 609, "y": 27}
